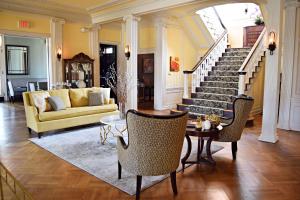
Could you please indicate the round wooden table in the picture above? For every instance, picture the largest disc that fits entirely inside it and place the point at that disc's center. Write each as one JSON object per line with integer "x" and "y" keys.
{"x": 210, "y": 135}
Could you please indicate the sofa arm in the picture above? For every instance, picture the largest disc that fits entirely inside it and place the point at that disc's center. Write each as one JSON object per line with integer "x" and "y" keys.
{"x": 32, "y": 116}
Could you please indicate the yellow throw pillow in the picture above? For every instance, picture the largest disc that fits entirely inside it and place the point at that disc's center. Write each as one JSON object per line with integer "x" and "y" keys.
{"x": 63, "y": 94}
{"x": 79, "y": 97}
{"x": 39, "y": 99}
{"x": 105, "y": 92}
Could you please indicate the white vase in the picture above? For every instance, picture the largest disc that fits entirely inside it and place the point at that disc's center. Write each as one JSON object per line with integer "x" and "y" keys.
{"x": 206, "y": 125}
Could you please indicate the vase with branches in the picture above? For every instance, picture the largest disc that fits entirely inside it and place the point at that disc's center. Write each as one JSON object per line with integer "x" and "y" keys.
{"x": 120, "y": 83}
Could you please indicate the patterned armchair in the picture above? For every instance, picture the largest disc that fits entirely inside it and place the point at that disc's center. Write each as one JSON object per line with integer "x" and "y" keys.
{"x": 232, "y": 132}
{"x": 154, "y": 145}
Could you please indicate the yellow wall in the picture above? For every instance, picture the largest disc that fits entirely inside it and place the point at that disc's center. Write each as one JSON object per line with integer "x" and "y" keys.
{"x": 74, "y": 41}
{"x": 180, "y": 46}
{"x": 110, "y": 33}
{"x": 147, "y": 37}
{"x": 257, "y": 89}
{"x": 38, "y": 24}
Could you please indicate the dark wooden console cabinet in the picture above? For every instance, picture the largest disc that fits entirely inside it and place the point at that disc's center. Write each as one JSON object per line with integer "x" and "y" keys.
{"x": 79, "y": 69}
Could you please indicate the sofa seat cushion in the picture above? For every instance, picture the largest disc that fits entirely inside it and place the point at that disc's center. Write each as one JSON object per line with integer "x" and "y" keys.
{"x": 76, "y": 112}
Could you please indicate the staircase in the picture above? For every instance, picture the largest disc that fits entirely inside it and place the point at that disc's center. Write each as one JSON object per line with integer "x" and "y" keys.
{"x": 219, "y": 88}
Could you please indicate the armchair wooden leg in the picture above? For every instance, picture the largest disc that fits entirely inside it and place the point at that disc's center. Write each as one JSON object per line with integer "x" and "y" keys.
{"x": 173, "y": 182}
{"x": 138, "y": 187}
{"x": 234, "y": 149}
{"x": 119, "y": 170}
{"x": 29, "y": 130}
{"x": 39, "y": 135}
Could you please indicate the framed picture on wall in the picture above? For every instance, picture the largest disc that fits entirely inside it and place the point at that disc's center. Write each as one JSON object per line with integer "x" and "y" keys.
{"x": 148, "y": 66}
{"x": 174, "y": 64}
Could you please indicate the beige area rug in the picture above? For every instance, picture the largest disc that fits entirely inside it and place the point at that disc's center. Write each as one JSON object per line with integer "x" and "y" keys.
{"x": 83, "y": 149}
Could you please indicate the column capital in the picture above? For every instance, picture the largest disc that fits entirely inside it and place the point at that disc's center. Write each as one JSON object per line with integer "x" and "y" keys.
{"x": 131, "y": 17}
{"x": 57, "y": 20}
{"x": 292, "y": 3}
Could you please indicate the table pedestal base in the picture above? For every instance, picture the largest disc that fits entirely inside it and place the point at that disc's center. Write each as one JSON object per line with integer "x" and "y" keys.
{"x": 200, "y": 159}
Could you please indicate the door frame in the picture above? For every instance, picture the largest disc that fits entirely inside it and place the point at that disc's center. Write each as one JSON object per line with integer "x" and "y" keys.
{"x": 4, "y": 33}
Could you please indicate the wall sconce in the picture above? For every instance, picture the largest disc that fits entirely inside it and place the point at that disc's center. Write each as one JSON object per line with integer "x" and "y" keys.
{"x": 58, "y": 54}
{"x": 272, "y": 43}
{"x": 127, "y": 52}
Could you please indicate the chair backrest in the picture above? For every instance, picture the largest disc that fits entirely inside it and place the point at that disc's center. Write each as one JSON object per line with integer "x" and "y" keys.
{"x": 43, "y": 85}
{"x": 31, "y": 86}
{"x": 242, "y": 107}
{"x": 155, "y": 142}
{"x": 10, "y": 88}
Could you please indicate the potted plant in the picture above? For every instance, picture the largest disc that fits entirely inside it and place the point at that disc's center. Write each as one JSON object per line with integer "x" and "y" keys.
{"x": 259, "y": 21}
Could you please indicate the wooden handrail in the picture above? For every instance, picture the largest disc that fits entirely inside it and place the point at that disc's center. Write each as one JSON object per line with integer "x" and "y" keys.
{"x": 206, "y": 54}
{"x": 246, "y": 61}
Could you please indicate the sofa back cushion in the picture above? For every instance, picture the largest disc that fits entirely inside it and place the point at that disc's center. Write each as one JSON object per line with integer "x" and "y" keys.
{"x": 105, "y": 92}
{"x": 39, "y": 99}
{"x": 79, "y": 97}
{"x": 63, "y": 94}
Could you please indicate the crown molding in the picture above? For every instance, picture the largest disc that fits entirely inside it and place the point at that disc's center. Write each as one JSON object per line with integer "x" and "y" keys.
{"x": 72, "y": 14}
{"x": 137, "y": 8}
{"x": 106, "y": 5}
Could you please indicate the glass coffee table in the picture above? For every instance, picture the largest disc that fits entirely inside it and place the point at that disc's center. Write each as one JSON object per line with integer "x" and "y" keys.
{"x": 114, "y": 125}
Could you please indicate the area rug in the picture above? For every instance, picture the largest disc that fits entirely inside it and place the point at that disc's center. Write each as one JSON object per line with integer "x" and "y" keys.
{"x": 83, "y": 149}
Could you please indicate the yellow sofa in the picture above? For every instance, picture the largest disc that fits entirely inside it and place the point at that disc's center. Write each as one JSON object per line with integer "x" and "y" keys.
{"x": 77, "y": 112}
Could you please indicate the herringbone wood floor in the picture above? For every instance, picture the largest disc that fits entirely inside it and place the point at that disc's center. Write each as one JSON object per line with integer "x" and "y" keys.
{"x": 261, "y": 171}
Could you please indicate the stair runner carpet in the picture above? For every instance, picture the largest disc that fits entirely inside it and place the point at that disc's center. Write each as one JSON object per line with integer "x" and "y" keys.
{"x": 216, "y": 94}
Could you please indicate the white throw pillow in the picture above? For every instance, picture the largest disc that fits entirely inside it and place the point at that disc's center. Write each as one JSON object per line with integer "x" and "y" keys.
{"x": 106, "y": 94}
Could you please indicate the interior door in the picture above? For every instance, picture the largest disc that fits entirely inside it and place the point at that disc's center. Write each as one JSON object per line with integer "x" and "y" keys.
{"x": 108, "y": 66}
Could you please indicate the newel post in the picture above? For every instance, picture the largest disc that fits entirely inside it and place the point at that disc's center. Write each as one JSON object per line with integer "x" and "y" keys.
{"x": 241, "y": 82}
{"x": 185, "y": 85}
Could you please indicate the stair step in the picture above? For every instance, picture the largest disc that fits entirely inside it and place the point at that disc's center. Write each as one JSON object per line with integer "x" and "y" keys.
{"x": 227, "y": 68}
{"x": 222, "y": 78}
{"x": 201, "y": 109}
{"x": 220, "y": 84}
{"x": 237, "y": 49}
{"x": 232, "y": 58}
{"x": 223, "y": 73}
{"x": 218, "y": 90}
{"x": 213, "y": 96}
{"x": 221, "y": 63}
{"x": 208, "y": 103}
{"x": 236, "y": 53}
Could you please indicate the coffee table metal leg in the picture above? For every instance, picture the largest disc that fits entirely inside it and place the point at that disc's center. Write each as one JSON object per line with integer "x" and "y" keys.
{"x": 208, "y": 151}
{"x": 188, "y": 153}
{"x": 200, "y": 148}
{"x": 104, "y": 131}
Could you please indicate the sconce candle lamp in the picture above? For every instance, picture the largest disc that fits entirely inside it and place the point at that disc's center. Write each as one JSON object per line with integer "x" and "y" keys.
{"x": 272, "y": 43}
{"x": 1, "y": 41}
{"x": 58, "y": 54}
{"x": 127, "y": 52}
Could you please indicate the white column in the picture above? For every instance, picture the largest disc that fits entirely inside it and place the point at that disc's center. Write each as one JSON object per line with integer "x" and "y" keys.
{"x": 241, "y": 82}
{"x": 56, "y": 68}
{"x": 131, "y": 27}
{"x": 185, "y": 85}
{"x": 94, "y": 52}
{"x": 272, "y": 73}
{"x": 287, "y": 66}
{"x": 2, "y": 67}
{"x": 160, "y": 65}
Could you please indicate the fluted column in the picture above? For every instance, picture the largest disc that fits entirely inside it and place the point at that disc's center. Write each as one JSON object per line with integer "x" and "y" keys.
{"x": 160, "y": 65}
{"x": 56, "y": 68}
{"x": 131, "y": 39}
{"x": 94, "y": 52}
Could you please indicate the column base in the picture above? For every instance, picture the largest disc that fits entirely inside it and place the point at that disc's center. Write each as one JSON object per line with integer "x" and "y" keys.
{"x": 267, "y": 138}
